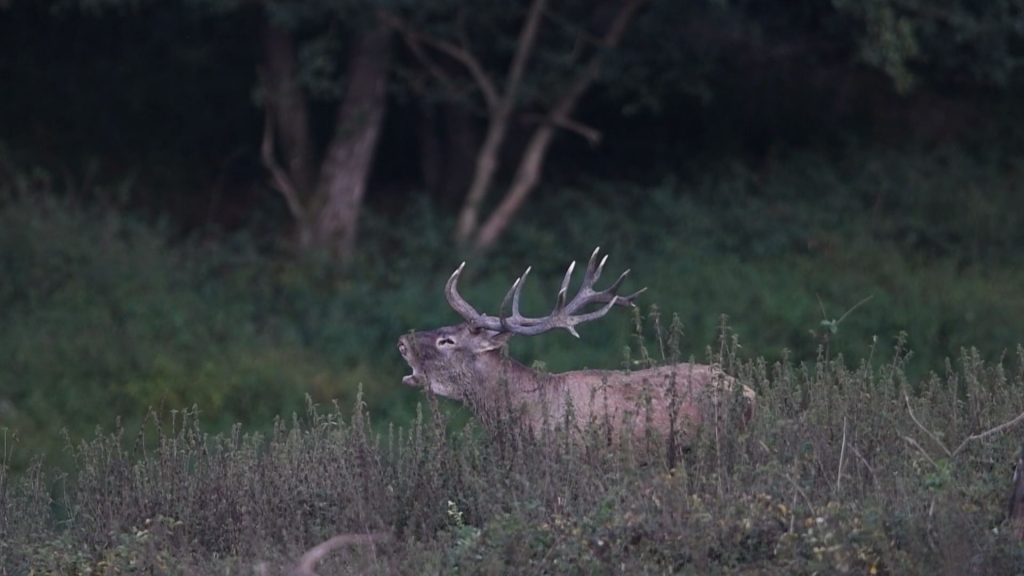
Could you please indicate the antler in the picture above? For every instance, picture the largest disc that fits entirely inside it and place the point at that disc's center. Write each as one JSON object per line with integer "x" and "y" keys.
{"x": 563, "y": 315}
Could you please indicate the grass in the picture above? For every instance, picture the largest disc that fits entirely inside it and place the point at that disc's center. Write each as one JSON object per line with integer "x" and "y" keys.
{"x": 837, "y": 474}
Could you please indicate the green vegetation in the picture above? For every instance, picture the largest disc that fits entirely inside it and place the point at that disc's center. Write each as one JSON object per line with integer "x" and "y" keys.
{"x": 106, "y": 316}
{"x": 216, "y": 214}
{"x": 839, "y": 473}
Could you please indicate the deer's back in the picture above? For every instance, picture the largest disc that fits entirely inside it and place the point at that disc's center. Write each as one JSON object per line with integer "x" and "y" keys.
{"x": 678, "y": 397}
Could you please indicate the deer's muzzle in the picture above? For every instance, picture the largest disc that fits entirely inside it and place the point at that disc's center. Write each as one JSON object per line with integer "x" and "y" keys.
{"x": 416, "y": 378}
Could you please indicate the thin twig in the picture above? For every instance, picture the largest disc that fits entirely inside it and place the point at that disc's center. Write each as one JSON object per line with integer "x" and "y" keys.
{"x": 923, "y": 452}
{"x": 864, "y": 461}
{"x": 842, "y": 454}
{"x": 590, "y": 134}
{"x": 930, "y": 528}
{"x": 416, "y": 47}
{"x": 982, "y": 435}
{"x": 854, "y": 307}
{"x": 923, "y": 429}
{"x": 802, "y": 493}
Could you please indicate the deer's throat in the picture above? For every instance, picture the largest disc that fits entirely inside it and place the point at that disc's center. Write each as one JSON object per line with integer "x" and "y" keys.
{"x": 505, "y": 380}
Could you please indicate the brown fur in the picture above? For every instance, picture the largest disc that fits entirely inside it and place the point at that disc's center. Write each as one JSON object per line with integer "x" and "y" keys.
{"x": 469, "y": 365}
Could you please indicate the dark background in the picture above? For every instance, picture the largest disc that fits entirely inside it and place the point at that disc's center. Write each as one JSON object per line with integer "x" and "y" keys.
{"x": 776, "y": 162}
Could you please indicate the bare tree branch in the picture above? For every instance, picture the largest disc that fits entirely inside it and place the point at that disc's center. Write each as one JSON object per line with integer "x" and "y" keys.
{"x": 435, "y": 69}
{"x": 307, "y": 563}
{"x": 583, "y": 35}
{"x": 528, "y": 171}
{"x": 280, "y": 180}
{"x": 458, "y": 53}
{"x": 586, "y": 77}
{"x": 524, "y": 47}
{"x": 500, "y": 115}
{"x": 589, "y": 133}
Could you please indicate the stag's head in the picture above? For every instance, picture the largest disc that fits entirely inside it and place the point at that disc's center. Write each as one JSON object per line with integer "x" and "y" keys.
{"x": 449, "y": 359}
{"x": 446, "y": 359}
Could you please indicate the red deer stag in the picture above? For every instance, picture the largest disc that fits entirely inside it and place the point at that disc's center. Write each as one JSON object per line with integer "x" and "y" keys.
{"x": 466, "y": 362}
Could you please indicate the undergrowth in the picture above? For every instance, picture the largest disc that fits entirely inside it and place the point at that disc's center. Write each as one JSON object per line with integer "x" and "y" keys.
{"x": 843, "y": 470}
{"x": 106, "y": 314}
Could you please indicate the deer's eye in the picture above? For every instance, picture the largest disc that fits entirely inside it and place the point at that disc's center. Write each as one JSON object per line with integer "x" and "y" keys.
{"x": 445, "y": 341}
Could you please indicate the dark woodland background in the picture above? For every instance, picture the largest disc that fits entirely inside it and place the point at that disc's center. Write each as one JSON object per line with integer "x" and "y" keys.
{"x": 235, "y": 204}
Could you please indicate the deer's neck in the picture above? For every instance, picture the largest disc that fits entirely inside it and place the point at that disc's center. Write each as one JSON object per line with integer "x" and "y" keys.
{"x": 520, "y": 380}
{"x": 503, "y": 384}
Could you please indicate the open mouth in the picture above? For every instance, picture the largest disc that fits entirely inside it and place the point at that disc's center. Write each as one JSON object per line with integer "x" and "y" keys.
{"x": 414, "y": 379}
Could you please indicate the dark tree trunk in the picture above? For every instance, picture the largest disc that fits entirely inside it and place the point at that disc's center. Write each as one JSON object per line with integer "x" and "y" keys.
{"x": 288, "y": 109}
{"x": 325, "y": 204}
{"x": 333, "y": 222}
{"x": 448, "y": 139}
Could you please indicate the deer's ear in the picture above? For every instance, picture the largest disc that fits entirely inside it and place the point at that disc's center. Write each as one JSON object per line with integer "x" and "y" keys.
{"x": 485, "y": 340}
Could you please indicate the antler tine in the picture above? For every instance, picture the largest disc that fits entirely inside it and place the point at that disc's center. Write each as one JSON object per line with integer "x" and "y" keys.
{"x": 560, "y": 301}
{"x": 594, "y": 269}
{"x": 628, "y": 300}
{"x": 613, "y": 289}
{"x": 596, "y": 313}
{"x": 603, "y": 297}
{"x": 519, "y": 291}
{"x": 463, "y": 308}
{"x": 600, "y": 268}
{"x": 588, "y": 276}
{"x": 509, "y": 322}
{"x": 455, "y": 300}
{"x": 587, "y": 294}
{"x": 508, "y": 297}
